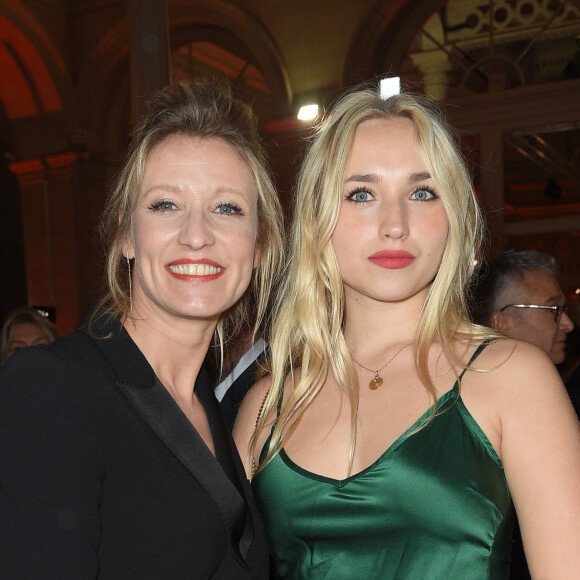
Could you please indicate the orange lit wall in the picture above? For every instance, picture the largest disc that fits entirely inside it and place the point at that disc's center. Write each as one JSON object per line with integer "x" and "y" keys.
{"x": 26, "y": 87}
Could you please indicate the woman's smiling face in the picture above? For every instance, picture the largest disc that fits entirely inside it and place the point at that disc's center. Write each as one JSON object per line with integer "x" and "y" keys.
{"x": 194, "y": 229}
{"x": 392, "y": 226}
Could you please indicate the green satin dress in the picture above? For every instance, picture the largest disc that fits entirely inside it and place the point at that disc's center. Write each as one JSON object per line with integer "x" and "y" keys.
{"x": 434, "y": 506}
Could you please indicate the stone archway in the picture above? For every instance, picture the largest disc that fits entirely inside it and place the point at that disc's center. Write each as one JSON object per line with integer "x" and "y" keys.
{"x": 380, "y": 44}
{"x": 251, "y": 38}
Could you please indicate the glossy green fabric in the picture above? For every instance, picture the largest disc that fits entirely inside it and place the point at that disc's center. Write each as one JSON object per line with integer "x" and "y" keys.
{"x": 434, "y": 506}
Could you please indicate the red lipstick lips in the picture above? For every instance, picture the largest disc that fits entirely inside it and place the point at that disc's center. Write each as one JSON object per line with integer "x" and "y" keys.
{"x": 202, "y": 270}
{"x": 392, "y": 260}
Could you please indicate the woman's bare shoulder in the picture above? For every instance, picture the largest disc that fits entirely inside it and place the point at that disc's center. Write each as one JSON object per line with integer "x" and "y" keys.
{"x": 513, "y": 380}
{"x": 539, "y": 445}
{"x": 511, "y": 362}
{"x": 259, "y": 390}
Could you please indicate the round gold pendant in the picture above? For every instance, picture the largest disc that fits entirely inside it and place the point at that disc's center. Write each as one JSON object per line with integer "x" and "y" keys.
{"x": 375, "y": 383}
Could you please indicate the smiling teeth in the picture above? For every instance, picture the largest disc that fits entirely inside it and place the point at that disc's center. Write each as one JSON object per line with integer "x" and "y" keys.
{"x": 194, "y": 269}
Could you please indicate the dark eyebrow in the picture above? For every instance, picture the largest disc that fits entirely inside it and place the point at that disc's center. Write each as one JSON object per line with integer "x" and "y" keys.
{"x": 424, "y": 176}
{"x": 367, "y": 178}
{"x": 373, "y": 178}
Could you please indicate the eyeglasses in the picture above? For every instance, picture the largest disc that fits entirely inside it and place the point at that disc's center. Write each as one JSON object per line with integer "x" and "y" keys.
{"x": 557, "y": 310}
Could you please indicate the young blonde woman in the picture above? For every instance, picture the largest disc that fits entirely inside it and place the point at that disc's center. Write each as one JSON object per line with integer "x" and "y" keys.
{"x": 393, "y": 436}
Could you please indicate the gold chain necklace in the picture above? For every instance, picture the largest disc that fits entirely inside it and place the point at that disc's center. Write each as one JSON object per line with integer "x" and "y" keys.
{"x": 377, "y": 381}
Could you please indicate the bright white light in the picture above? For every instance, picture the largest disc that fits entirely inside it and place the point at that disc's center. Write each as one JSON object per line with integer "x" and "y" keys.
{"x": 577, "y": 291}
{"x": 308, "y": 112}
{"x": 389, "y": 87}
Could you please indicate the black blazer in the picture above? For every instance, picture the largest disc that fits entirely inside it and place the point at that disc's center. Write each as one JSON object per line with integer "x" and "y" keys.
{"x": 102, "y": 475}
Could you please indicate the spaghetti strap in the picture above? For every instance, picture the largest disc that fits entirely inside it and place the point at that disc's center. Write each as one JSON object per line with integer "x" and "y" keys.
{"x": 477, "y": 352}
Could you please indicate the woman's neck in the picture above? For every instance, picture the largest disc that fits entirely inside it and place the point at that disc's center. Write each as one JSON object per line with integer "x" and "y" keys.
{"x": 371, "y": 326}
{"x": 174, "y": 347}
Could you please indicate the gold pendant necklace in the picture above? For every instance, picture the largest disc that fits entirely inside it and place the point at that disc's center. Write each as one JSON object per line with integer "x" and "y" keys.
{"x": 377, "y": 381}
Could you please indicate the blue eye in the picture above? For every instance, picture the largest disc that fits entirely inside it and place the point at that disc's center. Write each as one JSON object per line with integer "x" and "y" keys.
{"x": 163, "y": 205}
{"x": 229, "y": 209}
{"x": 360, "y": 196}
{"x": 423, "y": 194}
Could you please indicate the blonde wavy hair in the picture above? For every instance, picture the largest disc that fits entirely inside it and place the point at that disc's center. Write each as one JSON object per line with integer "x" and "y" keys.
{"x": 207, "y": 109}
{"x": 307, "y": 331}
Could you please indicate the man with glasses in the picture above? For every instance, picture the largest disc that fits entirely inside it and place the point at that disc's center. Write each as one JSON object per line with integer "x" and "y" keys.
{"x": 519, "y": 294}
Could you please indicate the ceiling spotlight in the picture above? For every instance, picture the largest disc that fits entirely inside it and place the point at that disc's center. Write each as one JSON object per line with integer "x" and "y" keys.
{"x": 308, "y": 112}
{"x": 389, "y": 87}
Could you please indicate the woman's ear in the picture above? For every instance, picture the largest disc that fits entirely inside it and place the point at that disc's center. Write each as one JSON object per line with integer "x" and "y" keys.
{"x": 127, "y": 244}
{"x": 257, "y": 256}
{"x": 127, "y": 248}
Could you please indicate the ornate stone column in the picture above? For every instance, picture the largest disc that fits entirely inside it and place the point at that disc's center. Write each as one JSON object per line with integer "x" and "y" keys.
{"x": 434, "y": 66}
{"x": 150, "y": 51}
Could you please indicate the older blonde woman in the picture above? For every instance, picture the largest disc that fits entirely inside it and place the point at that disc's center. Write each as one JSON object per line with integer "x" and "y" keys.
{"x": 115, "y": 461}
{"x": 393, "y": 434}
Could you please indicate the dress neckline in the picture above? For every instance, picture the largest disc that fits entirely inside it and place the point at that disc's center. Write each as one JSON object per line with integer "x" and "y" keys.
{"x": 412, "y": 429}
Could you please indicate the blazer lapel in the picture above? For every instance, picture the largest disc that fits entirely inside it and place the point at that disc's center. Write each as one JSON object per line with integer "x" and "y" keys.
{"x": 227, "y": 455}
{"x": 159, "y": 410}
{"x": 130, "y": 371}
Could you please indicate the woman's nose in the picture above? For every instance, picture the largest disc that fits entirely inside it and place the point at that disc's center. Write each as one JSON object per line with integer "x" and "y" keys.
{"x": 196, "y": 230}
{"x": 394, "y": 220}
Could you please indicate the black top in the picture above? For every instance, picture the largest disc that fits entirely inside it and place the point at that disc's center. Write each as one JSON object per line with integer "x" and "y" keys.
{"x": 102, "y": 475}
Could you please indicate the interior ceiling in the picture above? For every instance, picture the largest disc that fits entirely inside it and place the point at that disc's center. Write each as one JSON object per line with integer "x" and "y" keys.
{"x": 197, "y": 55}
{"x": 478, "y": 45}
{"x": 493, "y": 45}
{"x": 543, "y": 167}
{"x": 205, "y": 58}
{"x": 482, "y": 46}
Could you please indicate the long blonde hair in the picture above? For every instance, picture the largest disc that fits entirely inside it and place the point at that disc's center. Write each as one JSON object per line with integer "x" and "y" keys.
{"x": 307, "y": 330}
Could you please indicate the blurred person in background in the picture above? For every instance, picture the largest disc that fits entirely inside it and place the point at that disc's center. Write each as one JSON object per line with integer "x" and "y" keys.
{"x": 518, "y": 293}
{"x": 22, "y": 328}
